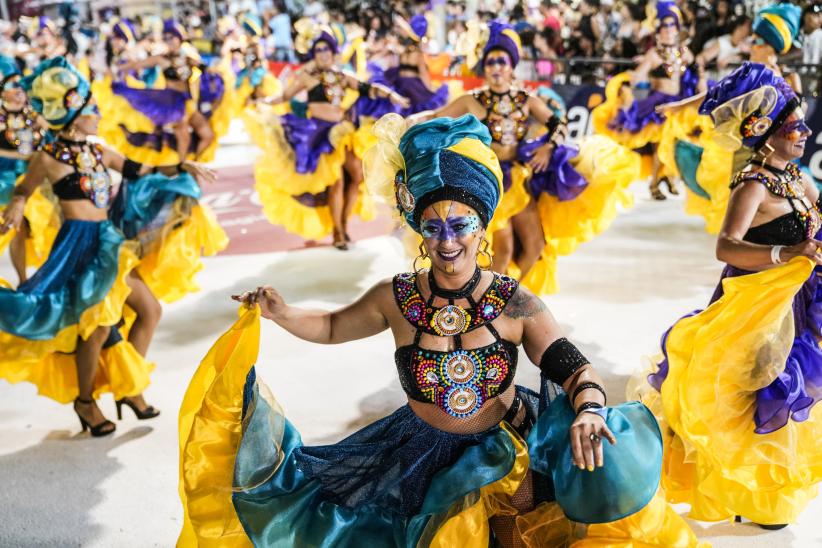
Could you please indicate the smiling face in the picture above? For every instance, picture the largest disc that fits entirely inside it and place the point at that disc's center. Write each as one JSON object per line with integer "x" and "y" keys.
{"x": 789, "y": 140}
{"x": 323, "y": 54}
{"x": 13, "y": 96}
{"x": 172, "y": 41}
{"x": 668, "y": 31}
{"x": 497, "y": 67}
{"x": 452, "y": 233}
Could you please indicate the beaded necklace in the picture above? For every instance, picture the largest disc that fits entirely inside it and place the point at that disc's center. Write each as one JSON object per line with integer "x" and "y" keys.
{"x": 787, "y": 184}
{"x": 87, "y": 160}
{"x": 333, "y": 85}
{"x": 506, "y": 118}
{"x": 671, "y": 59}
{"x": 20, "y": 129}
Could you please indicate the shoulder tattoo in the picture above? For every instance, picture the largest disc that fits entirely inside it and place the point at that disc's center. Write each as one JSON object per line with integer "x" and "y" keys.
{"x": 524, "y": 304}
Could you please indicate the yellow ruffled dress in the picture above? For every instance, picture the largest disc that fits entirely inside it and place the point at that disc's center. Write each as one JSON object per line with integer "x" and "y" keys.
{"x": 717, "y": 361}
{"x": 221, "y": 413}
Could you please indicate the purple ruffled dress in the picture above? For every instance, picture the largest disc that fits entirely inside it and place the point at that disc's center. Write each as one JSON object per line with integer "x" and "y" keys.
{"x": 643, "y": 112}
{"x": 799, "y": 386}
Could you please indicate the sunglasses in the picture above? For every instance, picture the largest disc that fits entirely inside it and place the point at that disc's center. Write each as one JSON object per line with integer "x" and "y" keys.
{"x": 501, "y": 61}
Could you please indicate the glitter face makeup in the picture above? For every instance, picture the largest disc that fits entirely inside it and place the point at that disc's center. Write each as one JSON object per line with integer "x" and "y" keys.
{"x": 451, "y": 232}
{"x": 501, "y": 60}
{"x": 450, "y": 229}
{"x": 794, "y": 130}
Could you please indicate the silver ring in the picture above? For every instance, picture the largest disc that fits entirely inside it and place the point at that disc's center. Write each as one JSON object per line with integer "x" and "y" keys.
{"x": 594, "y": 438}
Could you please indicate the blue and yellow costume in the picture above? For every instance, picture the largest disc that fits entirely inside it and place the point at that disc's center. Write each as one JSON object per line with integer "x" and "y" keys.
{"x": 737, "y": 389}
{"x": 20, "y": 132}
{"x": 304, "y": 156}
{"x": 82, "y": 285}
{"x": 246, "y": 477}
{"x": 581, "y": 191}
{"x": 250, "y": 74}
{"x": 142, "y": 119}
{"x": 703, "y": 158}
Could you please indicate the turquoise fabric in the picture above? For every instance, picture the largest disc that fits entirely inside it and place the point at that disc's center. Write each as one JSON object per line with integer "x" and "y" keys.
{"x": 789, "y": 13}
{"x": 8, "y": 67}
{"x": 688, "y": 156}
{"x": 632, "y": 470}
{"x": 421, "y": 147}
{"x": 10, "y": 170}
{"x": 79, "y": 272}
{"x": 279, "y": 506}
{"x": 139, "y": 202}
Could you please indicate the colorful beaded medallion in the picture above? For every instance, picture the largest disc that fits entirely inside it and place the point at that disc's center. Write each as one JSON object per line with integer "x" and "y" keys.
{"x": 87, "y": 159}
{"x": 20, "y": 130}
{"x": 451, "y": 319}
{"x": 788, "y": 185}
{"x": 506, "y": 119}
{"x": 460, "y": 382}
{"x": 333, "y": 86}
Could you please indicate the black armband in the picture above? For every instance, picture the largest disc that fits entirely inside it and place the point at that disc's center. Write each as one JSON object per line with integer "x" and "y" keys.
{"x": 588, "y": 405}
{"x": 561, "y": 360}
{"x": 131, "y": 169}
{"x": 364, "y": 88}
{"x": 586, "y": 386}
{"x": 554, "y": 127}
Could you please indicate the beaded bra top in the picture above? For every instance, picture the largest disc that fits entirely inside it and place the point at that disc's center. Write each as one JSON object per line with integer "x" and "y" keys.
{"x": 459, "y": 381}
{"x": 786, "y": 184}
{"x": 19, "y": 131}
{"x": 331, "y": 88}
{"x": 505, "y": 114}
{"x": 90, "y": 179}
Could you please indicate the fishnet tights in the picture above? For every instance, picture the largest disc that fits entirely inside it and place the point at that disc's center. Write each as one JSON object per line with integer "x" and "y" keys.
{"x": 505, "y": 527}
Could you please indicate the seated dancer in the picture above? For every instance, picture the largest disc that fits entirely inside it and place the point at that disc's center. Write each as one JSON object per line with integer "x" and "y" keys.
{"x": 472, "y": 458}
{"x": 690, "y": 146}
{"x": 665, "y": 74}
{"x": 22, "y": 131}
{"x": 181, "y": 120}
{"x": 556, "y": 196}
{"x": 736, "y": 391}
{"x": 309, "y": 179}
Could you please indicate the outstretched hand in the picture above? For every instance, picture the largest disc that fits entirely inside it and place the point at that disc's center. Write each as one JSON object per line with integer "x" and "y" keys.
{"x": 200, "y": 172}
{"x": 271, "y": 303}
{"x": 587, "y": 432}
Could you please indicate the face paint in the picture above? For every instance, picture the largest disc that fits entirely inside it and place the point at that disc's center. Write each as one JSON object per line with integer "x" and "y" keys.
{"x": 794, "y": 130}
{"x": 502, "y": 61}
{"x": 90, "y": 110}
{"x": 452, "y": 228}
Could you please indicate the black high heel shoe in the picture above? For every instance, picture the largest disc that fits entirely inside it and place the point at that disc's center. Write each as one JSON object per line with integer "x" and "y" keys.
{"x": 98, "y": 430}
{"x": 148, "y": 413}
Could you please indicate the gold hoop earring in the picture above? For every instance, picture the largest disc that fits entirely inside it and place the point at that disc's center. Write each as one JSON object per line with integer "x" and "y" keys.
{"x": 484, "y": 251}
{"x": 422, "y": 256}
{"x": 765, "y": 155}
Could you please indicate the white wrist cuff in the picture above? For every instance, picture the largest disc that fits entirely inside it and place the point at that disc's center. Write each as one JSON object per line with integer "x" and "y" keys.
{"x": 775, "y": 251}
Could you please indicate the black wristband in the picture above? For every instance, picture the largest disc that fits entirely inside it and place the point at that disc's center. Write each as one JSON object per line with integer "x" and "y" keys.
{"x": 180, "y": 169}
{"x": 586, "y": 386}
{"x": 589, "y": 405}
{"x": 364, "y": 88}
{"x": 561, "y": 360}
{"x": 131, "y": 169}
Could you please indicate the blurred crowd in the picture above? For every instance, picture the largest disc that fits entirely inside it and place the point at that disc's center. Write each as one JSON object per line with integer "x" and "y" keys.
{"x": 565, "y": 41}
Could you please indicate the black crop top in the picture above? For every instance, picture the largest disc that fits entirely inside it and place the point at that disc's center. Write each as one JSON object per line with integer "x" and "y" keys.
{"x": 784, "y": 230}
{"x": 90, "y": 180}
{"x": 19, "y": 131}
{"x": 460, "y": 381}
{"x": 331, "y": 88}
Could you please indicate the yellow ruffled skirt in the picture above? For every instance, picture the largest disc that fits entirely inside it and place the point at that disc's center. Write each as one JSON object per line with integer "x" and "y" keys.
{"x": 618, "y": 96}
{"x": 718, "y": 359}
{"x": 43, "y": 218}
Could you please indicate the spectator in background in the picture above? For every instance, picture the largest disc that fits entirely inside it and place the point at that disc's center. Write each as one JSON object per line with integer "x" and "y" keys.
{"x": 280, "y": 25}
{"x": 728, "y": 48}
{"x": 546, "y": 54}
{"x": 716, "y": 26}
{"x": 812, "y": 34}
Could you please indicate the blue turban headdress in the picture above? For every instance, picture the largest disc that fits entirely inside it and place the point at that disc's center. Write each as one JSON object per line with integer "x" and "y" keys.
{"x": 668, "y": 9}
{"x": 170, "y": 26}
{"x": 778, "y": 25}
{"x": 8, "y": 69}
{"x": 252, "y": 24}
{"x": 445, "y": 159}
{"x": 749, "y": 105}
{"x": 124, "y": 30}
{"x": 58, "y": 91}
{"x": 504, "y": 37}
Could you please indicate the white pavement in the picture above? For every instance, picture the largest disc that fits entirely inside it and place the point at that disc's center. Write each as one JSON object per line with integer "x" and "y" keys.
{"x": 59, "y": 488}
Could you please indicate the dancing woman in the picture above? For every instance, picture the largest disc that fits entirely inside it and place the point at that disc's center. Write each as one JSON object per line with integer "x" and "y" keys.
{"x": 556, "y": 196}
{"x": 61, "y": 329}
{"x": 665, "y": 74}
{"x": 310, "y": 178}
{"x": 737, "y": 389}
{"x": 471, "y": 458}
{"x": 22, "y": 131}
